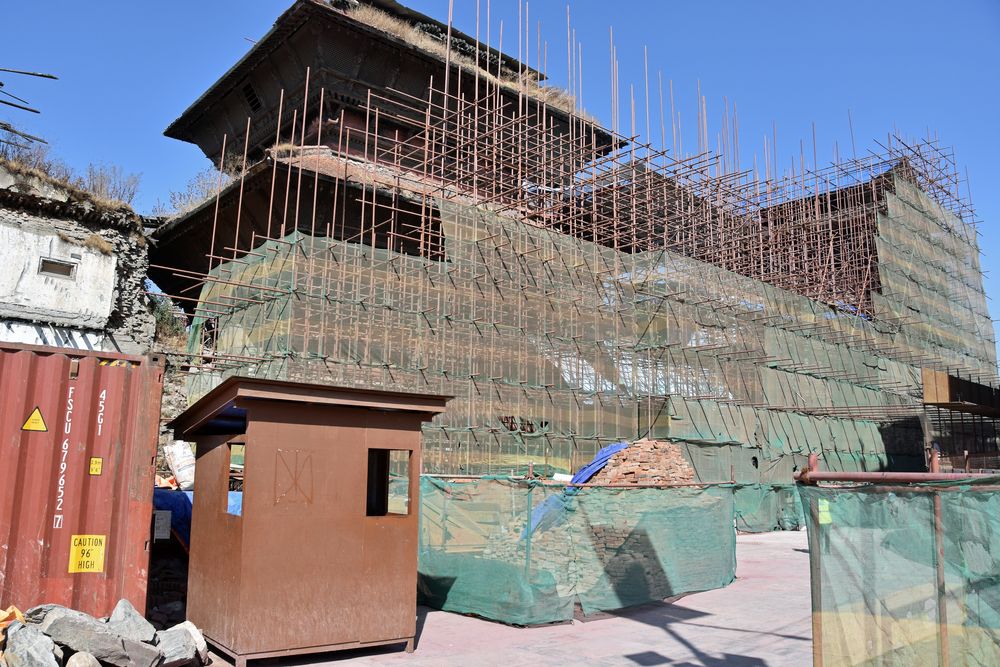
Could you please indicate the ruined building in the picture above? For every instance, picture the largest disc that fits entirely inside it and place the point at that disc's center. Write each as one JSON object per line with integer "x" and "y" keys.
{"x": 426, "y": 215}
{"x": 74, "y": 267}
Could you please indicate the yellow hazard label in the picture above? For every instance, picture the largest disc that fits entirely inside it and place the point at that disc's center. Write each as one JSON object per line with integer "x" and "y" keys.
{"x": 96, "y": 465}
{"x": 823, "y": 507}
{"x": 86, "y": 553}
{"x": 34, "y": 422}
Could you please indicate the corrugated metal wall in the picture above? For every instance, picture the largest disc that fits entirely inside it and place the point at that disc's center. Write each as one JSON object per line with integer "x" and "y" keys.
{"x": 78, "y": 434}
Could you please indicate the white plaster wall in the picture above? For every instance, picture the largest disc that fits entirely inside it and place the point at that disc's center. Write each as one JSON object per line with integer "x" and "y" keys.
{"x": 85, "y": 300}
{"x": 52, "y": 336}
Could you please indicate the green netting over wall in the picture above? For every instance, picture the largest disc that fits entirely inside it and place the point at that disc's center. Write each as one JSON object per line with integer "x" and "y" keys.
{"x": 554, "y": 346}
{"x": 761, "y": 508}
{"x": 524, "y": 553}
{"x": 875, "y": 583}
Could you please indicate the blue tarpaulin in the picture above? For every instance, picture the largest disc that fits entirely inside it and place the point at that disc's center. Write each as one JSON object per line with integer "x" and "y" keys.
{"x": 235, "y": 504}
{"x": 180, "y": 504}
{"x": 600, "y": 460}
{"x": 550, "y": 512}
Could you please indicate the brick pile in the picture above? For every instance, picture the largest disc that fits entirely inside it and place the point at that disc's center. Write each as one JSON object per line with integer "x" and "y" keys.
{"x": 647, "y": 462}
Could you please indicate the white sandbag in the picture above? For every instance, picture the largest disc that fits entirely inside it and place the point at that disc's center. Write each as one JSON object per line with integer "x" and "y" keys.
{"x": 180, "y": 459}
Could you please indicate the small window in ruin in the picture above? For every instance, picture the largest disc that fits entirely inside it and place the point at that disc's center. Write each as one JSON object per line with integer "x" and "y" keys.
{"x": 388, "y": 482}
{"x": 251, "y": 97}
{"x": 58, "y": 268}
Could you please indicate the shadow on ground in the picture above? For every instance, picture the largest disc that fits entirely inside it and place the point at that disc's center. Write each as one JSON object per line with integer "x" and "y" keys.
{"x": 334, "y": 656}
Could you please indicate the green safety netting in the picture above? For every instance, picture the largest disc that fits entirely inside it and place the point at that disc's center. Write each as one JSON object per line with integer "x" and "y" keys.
{"x": 875, "y": 582}
{"x": 761, "y": 508}
{"x": 554, "y": 346}
{"x": 525, "y": 553}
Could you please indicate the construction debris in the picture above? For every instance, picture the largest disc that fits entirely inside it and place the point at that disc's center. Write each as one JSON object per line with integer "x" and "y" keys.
{"x": 201, "y": 646}
{"x": 130, "y": 624}
{"x": 82, "y": 659}
{"x": 177, "y": 645}
{"x": 647, "y": 462}
{"x": 77, "y": 631}
{"x": 27, "y": 646}
{"x": 52, "y": 635}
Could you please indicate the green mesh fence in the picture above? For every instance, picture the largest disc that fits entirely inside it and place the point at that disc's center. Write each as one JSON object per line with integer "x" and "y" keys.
{"x": 761, "y": 508}
{"x": 878, "y": 597}
{"x": 524, "y": 553}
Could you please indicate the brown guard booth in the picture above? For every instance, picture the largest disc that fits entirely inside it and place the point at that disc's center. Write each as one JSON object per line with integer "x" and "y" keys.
{"x": 323, "y": 556}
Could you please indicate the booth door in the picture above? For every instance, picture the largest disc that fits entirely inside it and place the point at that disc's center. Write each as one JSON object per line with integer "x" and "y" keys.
{"x": 390, "y": 532}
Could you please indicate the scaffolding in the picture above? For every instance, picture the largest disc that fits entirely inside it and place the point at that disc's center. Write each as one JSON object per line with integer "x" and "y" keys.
{"x": 571, "y": 286}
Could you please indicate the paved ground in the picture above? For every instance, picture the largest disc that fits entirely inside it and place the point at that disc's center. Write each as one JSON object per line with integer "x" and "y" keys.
{"x": 763, "y": 618}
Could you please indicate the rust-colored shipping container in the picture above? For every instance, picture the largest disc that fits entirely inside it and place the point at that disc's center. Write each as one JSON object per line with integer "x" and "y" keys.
{"x": 78, "y": 434}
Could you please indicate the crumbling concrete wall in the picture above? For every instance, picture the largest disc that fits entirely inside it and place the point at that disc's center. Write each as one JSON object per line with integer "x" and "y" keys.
{"x": 33, "y": 286}
{"x": 173, "y": 403}
{"x": 77, "y": 267}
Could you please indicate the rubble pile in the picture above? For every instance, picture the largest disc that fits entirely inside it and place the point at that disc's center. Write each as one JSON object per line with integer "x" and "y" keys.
{"x": 51, "y": 635}
{"x": 647, "y": 462}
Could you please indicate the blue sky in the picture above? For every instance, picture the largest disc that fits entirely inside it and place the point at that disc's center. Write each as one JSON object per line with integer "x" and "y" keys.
{"x": 128, "y": 68}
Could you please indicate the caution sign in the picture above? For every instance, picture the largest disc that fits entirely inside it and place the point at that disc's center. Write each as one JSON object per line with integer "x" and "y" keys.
{"x": 35, "y": 422}
{"x": 96, "y": 465}
{"x": 86, "y": 553}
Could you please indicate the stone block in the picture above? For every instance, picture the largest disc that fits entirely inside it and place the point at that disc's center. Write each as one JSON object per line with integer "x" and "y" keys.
{"x": 82, "y": 659}
{"x": 177, "y": 645}
{"x": 129, "y": 623}
{"x": 80, "y": 632}
{"x": 27, "y": 646}
{"x": 199, "y": 640}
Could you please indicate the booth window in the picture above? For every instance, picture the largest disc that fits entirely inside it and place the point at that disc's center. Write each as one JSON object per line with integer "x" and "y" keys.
{"x": 234, "y": 488}
{"x": 388, "y": 482}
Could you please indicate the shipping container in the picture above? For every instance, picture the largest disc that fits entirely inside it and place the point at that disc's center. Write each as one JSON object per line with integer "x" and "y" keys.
{"x": 78, "y": 434}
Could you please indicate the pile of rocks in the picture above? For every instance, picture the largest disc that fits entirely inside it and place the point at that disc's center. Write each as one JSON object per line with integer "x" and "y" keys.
{"x": 167, "y": 589}
{"x": 647, "y": 462}
{"x": 55, "y": 636}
